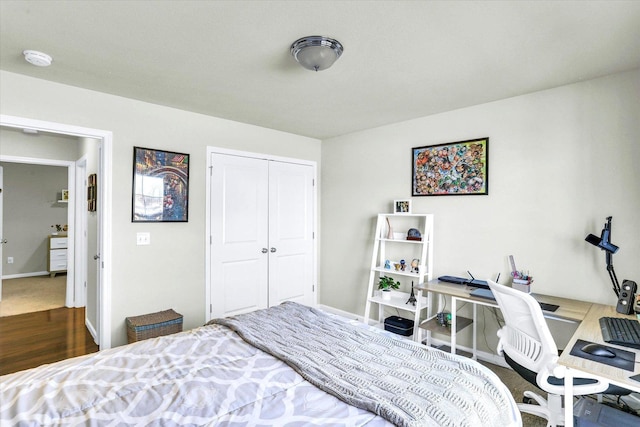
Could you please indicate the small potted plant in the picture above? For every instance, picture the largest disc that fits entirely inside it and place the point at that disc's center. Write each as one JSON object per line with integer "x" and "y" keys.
{"x": 385, "y": 284}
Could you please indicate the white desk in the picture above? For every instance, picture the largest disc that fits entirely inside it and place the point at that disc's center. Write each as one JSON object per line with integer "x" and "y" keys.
{"x": 589, "y": 330}
{"x": 585, "y": 313}
{"x": 568, "y": 311}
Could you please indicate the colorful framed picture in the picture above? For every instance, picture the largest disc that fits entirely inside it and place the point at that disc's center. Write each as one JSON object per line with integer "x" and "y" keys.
{"x": 451, "y": 169}
{"x": 160, "y": 186}
{"x": 402, "y": 206}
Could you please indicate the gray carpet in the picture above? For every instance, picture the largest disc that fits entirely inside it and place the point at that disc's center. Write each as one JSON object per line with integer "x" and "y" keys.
{"x": 518, "y": 385}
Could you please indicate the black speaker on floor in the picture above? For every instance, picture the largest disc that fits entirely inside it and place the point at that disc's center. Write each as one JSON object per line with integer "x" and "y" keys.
{"x": 627, "y": 297}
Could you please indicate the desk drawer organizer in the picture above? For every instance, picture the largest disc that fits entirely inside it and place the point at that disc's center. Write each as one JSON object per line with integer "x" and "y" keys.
{"x": 399, "y": 325}
{"x": 153, "y": 325}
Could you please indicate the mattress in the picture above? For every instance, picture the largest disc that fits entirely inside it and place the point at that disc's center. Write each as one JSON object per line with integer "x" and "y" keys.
{"x": 205, "y": 376}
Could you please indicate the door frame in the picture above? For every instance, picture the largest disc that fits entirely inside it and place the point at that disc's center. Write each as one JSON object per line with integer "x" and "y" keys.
{"x": 208, "y": 237}
{"x": 105, "y": 171}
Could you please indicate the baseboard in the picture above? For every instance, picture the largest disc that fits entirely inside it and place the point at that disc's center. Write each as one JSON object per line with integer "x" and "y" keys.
{"x": 342, "y": 313}
{"x": 92, "y": 331}
{"x": 482, "y": 355}
{"x": 21, "y": 275}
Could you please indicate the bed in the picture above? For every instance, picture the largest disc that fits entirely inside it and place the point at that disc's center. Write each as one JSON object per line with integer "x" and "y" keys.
{"x": 287, "y": 365}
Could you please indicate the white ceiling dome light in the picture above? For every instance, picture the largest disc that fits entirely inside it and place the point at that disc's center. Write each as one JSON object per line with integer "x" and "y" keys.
{"x": 316, "y": 53}
{"x": 36, "y": 58}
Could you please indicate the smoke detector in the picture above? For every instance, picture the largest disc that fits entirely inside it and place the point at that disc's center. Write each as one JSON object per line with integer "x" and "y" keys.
{"x": 37, "y": 58}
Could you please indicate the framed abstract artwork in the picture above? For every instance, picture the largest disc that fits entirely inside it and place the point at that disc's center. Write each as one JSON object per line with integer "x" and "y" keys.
{"x": 451, "y": 169}
{"x": 160, "y": 186}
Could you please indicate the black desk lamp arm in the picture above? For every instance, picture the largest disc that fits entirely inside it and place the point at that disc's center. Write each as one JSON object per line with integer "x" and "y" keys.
{"x": 612, "y": 275}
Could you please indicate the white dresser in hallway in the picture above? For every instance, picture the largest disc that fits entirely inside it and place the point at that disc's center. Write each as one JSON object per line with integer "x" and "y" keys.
{"x": 57, "y": 260}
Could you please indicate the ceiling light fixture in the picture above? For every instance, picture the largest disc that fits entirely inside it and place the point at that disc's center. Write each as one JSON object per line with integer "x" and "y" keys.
{"x": 316, "y": 52}
{"x": 37, "y": 58}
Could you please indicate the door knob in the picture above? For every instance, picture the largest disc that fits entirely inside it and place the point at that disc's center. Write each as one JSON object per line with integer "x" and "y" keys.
{"x": 3, "y": 240}
{"x": 273, "y": 249}
{"x": 96, "y": 257}
{"x": 265, "y": 250}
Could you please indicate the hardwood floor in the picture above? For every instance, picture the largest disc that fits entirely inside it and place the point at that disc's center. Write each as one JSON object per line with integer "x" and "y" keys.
{"x": 33, "y": 339}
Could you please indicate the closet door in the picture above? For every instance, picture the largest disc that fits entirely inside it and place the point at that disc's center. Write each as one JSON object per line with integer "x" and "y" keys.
{"x": 291, "y": 226}
{"x": 239, "y": 229}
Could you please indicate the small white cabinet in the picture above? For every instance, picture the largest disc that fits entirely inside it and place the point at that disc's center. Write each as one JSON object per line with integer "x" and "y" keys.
{"x": 392, "y": 244}
{"x": 57, "y": 261}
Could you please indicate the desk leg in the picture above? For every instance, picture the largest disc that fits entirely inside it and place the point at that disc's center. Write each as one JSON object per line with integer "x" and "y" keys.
{"x": 454, "y": 322}
{"x": 429, "y": 314}
{"x": 568, "y": 398}
{"x": 475, "y": 333}
{"x": 417, "y": 336}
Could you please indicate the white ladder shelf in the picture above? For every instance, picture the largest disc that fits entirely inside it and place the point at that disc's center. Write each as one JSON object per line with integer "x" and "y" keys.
{"x": 393, "y": 245}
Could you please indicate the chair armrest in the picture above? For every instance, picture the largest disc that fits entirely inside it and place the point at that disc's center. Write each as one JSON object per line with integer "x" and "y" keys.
{"x": 560, "y": 371}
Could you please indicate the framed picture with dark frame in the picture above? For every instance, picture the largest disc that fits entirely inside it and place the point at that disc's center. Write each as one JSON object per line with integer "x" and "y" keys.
{"x": 160, "y": 186}
{"x": 451, "y": 169}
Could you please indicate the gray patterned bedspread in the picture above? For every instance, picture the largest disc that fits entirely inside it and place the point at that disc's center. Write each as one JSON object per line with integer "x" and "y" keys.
{"x": 210, "y": 376}
{"x": 207, "y": 376}
{"x": 402, "y": 381}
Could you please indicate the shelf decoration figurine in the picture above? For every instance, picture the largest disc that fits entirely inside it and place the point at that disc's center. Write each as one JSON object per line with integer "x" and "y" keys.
{"x": 412, "y": 298}
{"x": 414, "y": 265}
{"x": 385, "y": 284}
{"x": 389, "y": 230}
{"x": 387, "y": 265}
{"x": 414, "y": 234}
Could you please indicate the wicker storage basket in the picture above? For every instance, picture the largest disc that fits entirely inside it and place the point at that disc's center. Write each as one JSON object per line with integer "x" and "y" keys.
{"x": 153, "y": 325}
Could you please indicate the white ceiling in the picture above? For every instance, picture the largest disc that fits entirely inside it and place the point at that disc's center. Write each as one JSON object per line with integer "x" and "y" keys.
{"x": 402, "y": 59}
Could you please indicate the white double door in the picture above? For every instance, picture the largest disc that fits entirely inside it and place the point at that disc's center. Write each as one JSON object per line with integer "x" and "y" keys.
{"x": 262, "y": 232}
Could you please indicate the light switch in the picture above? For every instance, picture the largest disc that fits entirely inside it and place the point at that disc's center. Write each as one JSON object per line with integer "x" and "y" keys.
{"x": 143, "y": 239}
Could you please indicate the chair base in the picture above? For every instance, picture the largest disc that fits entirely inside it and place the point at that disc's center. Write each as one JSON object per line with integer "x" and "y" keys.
{"x": 551, "y": 409}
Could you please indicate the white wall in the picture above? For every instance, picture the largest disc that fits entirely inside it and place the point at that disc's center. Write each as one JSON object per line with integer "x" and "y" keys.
{"x": 560, "y": 161}
{"x": 170, "y": 272}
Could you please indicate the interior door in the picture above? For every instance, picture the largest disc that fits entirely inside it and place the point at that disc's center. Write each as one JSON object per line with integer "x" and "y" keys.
{"x": 1, "y": 238}
{"x": 291, "y": 228}
{"x": 239, "y": 234}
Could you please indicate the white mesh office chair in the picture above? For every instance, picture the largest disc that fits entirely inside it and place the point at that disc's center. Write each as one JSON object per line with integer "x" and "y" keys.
{"x": 528, "y": 347}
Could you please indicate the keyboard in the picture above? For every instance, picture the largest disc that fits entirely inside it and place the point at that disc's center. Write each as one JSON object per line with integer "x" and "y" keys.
{"x": 548, "y": 307}
{"x": 624, "y": 332}
{"x": 462, "y": 281}
{"x": 482, "y": 293}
